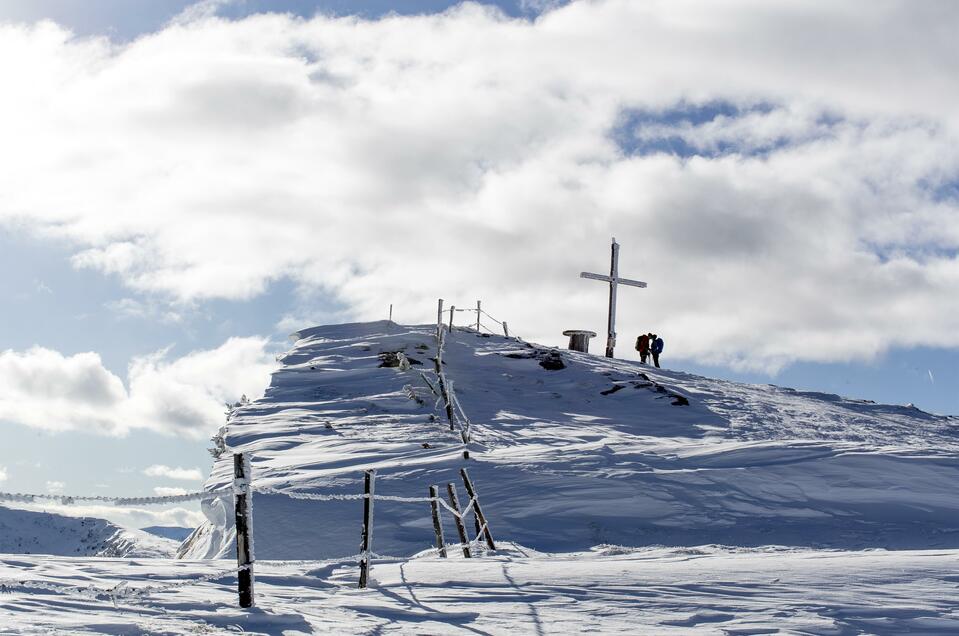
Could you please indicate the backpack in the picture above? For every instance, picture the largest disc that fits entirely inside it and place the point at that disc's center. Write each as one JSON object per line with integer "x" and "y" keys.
{"x": 658, "y": 346}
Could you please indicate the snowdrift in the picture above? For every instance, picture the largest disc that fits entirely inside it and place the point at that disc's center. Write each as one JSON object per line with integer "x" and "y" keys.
{"x": 29, "y": 532}
{"x": 598, "y": 452}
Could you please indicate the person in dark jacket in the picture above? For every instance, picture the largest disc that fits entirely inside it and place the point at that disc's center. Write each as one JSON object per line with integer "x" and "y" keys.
{"x": 642, "y": 345}
{"x": 656, "y": 348}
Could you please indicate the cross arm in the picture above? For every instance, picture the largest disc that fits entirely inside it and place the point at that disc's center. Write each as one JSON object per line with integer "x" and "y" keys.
{"x": 619, "y": 281}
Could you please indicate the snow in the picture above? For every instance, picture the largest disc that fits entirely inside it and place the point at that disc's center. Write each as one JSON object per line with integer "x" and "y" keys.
{"x": 29, "y": 532}
{"x": 624, "y": 499}
{"x": 602, "y": 451}
{"x": 609, "y": 590}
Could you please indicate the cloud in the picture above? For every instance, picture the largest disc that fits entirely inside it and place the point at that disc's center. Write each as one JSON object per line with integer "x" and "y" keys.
{"x": 55, "y": 487}
{"x": 783, "y": 175}
{"x": 185, "y": 474}
{"x": 167, "y": 491}
{"x": 124, "y": 516}
{"x": 182, "y": 396}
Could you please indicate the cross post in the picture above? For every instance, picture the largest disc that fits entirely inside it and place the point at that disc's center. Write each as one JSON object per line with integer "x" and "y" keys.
{"x": 613, "y": 279}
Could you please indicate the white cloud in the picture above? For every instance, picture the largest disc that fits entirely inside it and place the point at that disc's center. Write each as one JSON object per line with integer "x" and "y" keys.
{"x": 184, "y": 396}
{"x": 55, "y": 487}
{"x": 184, "y": 474}
{"x": 468, "y": 155}
{"x": 167, "y": 491}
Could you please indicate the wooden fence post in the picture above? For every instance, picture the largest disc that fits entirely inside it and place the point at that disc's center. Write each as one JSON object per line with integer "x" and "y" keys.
{"x": 391, "y": 312}
{"x": 244, "y": 544}
{"x": 460, "y": 527}
{"x": 478, "y": 309}
{"x": 476, "y": 508}
{"x": 505, "y": 329}
{"x": 444, "y": 390}
{"x": 452, "y": 311}
{"x": 437, "y": 526}
{"x": 366, "y": 545}
{"x": 439, "y": 321}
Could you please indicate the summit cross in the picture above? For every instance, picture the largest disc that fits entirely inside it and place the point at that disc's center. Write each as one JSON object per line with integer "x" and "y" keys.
{"x": 613, "y": 279}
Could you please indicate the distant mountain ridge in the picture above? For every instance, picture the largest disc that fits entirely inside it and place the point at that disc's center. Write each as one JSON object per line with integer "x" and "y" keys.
{"x": 29, "y": 532}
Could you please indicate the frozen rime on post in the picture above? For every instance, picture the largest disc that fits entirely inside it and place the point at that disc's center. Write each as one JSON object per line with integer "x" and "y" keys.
{"x": 244, "y": 534}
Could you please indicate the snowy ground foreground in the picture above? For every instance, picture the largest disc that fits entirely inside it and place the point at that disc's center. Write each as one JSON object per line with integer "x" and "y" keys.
{"x": 600, "y": 452}
{"x": 29, "y": 532}
{"x": 613, "y": 590}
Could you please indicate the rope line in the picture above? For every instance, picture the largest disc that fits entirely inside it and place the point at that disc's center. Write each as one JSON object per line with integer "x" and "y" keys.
{"x": 118, "y": 501}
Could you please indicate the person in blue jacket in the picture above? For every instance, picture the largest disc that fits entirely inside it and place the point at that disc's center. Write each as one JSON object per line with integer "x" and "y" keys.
{"x": 656, "y": 348}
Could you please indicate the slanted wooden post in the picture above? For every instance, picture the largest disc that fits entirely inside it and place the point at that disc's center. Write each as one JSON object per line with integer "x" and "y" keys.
{"x": 505, "y": 329}
{"x": 437, "y": 525}
{"x": 366, "y": 545}
{"x": 481, "y": 518}
{"x": 444, "y": 390}
{"x": 244, "y": 523}
{"x": 460, "y": 526}
{"x": 478, "y": 310}
{"x": 452, "y": 311}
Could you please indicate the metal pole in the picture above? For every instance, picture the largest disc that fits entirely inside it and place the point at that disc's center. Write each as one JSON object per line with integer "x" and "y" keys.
{"x": 613, "y": 275}
{"x": 244, "y": 546}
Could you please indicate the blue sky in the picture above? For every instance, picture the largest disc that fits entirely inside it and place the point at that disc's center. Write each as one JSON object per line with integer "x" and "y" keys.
{"x": 218, "y": 195}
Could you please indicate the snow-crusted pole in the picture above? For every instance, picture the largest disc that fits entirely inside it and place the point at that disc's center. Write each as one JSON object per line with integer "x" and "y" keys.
{"x": 460, "y": 526}
{"x": 505, "y": 329}
{"x": 439, "y": 321}
{"x": 366, "y": 545}
{"x": 476, "y": 508}
{"x": 437, "y": 525}
{"x": 244, "y": 526}
{"x": 452, "y": 311}
{"x": 478, "y": 310}
{"x": 441, "y": 377}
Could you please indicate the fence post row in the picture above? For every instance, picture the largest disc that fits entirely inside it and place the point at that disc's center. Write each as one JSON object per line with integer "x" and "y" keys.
{"x": 437, "y": 525}
{"x": 480, "y": 517}
{"x": 366, "y": 544}
{"x": 460, "y": 526}
{"x": 244, "y": 523}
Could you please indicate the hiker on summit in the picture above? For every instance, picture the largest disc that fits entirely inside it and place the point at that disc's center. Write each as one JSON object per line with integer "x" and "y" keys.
{"x": 656, "y": 348}
{"x": 642, "y": 345}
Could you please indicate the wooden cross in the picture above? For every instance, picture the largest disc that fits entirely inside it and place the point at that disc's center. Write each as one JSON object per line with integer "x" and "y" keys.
{"x": 613, "y": 279}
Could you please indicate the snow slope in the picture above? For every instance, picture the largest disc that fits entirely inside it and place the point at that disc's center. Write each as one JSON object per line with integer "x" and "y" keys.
{"x": 599, "y": 452}
{"x": 29, "y": 532}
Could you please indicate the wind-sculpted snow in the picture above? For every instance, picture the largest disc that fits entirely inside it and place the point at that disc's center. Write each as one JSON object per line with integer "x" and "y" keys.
{"x": 601, "y": 451}
{"x": 609, "y": 590}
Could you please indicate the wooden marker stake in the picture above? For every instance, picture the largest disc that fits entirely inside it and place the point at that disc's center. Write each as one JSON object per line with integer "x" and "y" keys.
{"x": 244, "y": 522}
{"x": 437, "y": 525}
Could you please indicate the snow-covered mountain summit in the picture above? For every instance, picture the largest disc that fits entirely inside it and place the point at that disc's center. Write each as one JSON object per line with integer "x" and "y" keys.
{"x": 597, "y": 452}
